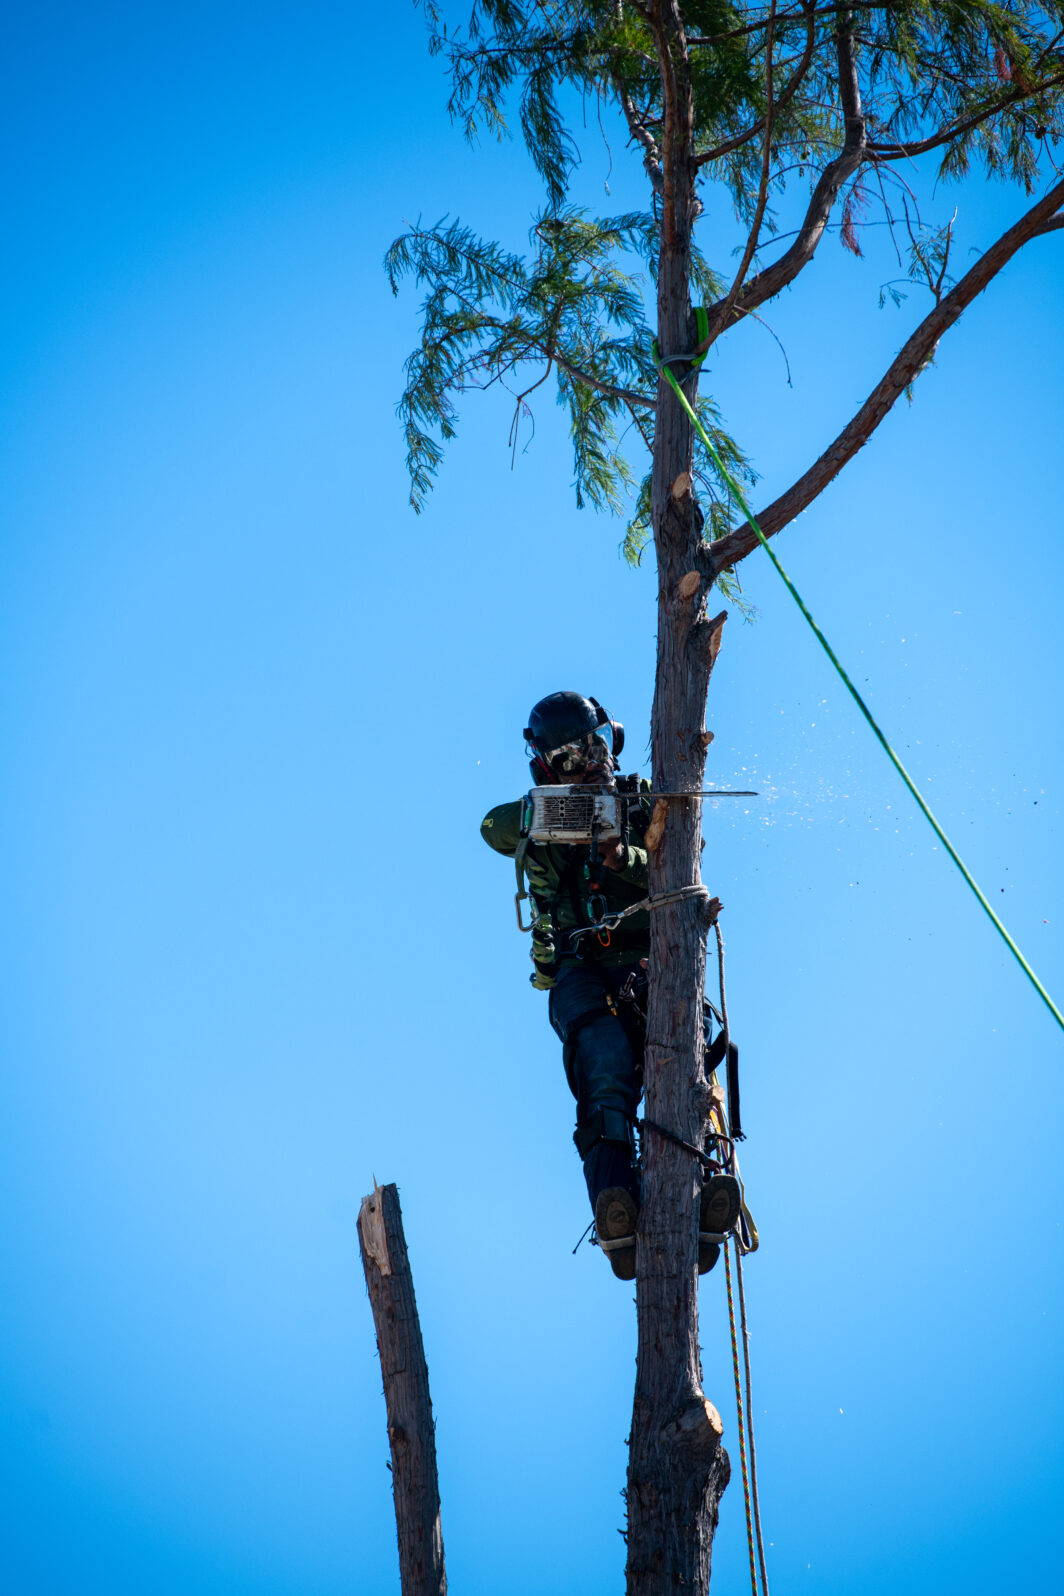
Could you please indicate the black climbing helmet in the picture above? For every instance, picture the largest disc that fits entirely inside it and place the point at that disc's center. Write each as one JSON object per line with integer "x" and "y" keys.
{"x": 566, "y": 732}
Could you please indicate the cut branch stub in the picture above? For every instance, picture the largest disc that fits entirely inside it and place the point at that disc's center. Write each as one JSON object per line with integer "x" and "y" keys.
{"x": 656, "y": 829}
{"x": 411, "y": 1431}
{"x": 696, "y": 1429}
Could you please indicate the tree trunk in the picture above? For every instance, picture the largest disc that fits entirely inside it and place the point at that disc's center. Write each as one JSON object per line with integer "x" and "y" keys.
{"x": 677, "y": 1469}
{"x": 411, "y": 1431}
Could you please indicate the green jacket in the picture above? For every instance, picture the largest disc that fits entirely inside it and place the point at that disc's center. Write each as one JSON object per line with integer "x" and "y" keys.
{"x": 559, "y": 889}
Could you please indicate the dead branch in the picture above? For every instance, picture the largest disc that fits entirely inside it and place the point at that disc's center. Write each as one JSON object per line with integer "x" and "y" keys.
{"x": 411, "y": 1430}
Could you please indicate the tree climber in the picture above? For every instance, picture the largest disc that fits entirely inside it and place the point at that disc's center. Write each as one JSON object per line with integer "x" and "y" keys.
{"x": 597, "y": 981}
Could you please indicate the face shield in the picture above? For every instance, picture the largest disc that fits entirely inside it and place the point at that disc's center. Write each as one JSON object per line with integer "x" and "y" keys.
{"x": 593, "y": 748}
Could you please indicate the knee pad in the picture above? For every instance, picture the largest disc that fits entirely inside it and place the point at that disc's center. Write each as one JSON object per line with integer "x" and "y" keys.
{"x": 605, "y": 1125}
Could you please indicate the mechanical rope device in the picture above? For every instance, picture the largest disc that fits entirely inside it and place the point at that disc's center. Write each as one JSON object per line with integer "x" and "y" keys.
{"x": 582, "y": 814}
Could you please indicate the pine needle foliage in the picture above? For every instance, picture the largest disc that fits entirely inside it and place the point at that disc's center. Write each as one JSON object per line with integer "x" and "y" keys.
{"x": 970, "y": 84}
{"x": 572, "y": 309}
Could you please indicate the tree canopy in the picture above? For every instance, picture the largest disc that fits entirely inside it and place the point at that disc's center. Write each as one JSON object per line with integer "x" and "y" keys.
{"x": 806, "y": 115}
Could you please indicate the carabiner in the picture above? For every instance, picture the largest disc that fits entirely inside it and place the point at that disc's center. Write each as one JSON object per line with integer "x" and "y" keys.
{"x": 518, "y": 897}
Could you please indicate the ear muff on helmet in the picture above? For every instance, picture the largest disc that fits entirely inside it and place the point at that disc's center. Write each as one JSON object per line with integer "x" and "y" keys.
{"x": 616, "y": 728}
{"x": 538, "y": 767}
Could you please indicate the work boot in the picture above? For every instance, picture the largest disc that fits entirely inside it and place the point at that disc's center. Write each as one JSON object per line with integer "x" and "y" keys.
{"x": 615, "y": 1218}
{"x": 718, "y": 1211}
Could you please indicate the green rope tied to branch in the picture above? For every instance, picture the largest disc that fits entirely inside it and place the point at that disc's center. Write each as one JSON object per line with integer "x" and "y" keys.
{"x": 738, "y": 496}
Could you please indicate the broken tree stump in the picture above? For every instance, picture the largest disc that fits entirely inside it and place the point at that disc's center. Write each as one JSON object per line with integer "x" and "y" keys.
{"x": 411, "y": 1431}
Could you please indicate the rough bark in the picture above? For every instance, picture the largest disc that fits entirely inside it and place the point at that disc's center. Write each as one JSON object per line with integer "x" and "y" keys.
{"x": 677, "y": 1468}
{"x": 411, "y": 1431}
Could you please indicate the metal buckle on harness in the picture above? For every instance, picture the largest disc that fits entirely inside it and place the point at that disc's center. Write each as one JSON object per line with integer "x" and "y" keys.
{"x": 520, "y": 897}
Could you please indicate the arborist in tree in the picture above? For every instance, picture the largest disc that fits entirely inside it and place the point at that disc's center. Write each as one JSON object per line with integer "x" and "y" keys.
{"x": 597, "y": 979}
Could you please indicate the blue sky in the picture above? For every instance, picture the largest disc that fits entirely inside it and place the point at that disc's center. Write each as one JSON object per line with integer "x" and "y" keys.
{"x": 255, "y": 952}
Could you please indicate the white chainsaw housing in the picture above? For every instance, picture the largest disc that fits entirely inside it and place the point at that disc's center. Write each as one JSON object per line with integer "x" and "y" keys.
{"x": 567, "y": 814}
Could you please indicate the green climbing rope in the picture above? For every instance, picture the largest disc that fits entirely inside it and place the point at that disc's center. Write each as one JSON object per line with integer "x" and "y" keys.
{"x": 738, "y": 496}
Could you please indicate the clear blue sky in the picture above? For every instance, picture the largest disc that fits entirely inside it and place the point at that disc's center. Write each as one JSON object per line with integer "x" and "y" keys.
{"x": 254, "y": 951}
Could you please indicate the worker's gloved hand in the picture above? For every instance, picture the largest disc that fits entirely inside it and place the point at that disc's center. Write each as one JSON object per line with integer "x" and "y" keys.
{"x": 614, "y": 854}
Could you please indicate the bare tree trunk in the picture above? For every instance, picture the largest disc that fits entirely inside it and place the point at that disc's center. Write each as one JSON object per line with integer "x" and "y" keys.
{"x": 677, "y": 1469}
{"x": 411, "y": 1431}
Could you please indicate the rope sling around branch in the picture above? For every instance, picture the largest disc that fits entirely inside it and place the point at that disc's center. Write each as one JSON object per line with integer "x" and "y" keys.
{"x": 740, "y": 500}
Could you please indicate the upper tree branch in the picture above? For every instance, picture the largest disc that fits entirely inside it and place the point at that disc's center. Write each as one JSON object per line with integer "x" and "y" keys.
{"x": 900, "y": 152}
{"x": 642, "y": 134}
{"x": 787, "y": 94}
{"x": 1041, "y": 218}
{"x": 527, "y": 342}
{"x": 627, "y": 395}
{"x": 766, "y": 167}
{"x": 776, "y": 277}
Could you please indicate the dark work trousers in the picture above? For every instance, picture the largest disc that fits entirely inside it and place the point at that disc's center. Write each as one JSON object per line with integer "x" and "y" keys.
{"x": 601, "y": 1065}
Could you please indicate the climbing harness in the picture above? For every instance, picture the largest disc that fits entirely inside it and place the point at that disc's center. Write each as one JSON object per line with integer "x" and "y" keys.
{"x": 740, "y": 499}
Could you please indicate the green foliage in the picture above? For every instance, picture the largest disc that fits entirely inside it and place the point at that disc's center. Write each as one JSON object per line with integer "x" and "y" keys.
{"x": 928, "y": 261}
{"x": 969, "y": 82}
{"x": 715, "y": 498}
{"x": 571, "y": 310}
{"x": 987, "y": 74}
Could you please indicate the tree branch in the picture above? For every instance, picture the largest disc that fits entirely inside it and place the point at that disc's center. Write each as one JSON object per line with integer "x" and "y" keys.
{"x": 786, "y": 95}
{"x": 783, "y": 271}
{"x": 545, "y": 348}
{"x": 901, "y": 372}
{"x": 902, "y": 152}
{"x": 766, "y": 167}
{"x": 626, "y": 395}
{"x": 638, "y": 130}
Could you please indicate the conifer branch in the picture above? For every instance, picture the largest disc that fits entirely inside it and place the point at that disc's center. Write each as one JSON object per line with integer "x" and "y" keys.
{"x": 786, "y": 95}
{"x": 911, "y": 360}
{"x": 776, "y": 277}
{"x": 952, "y": 133}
